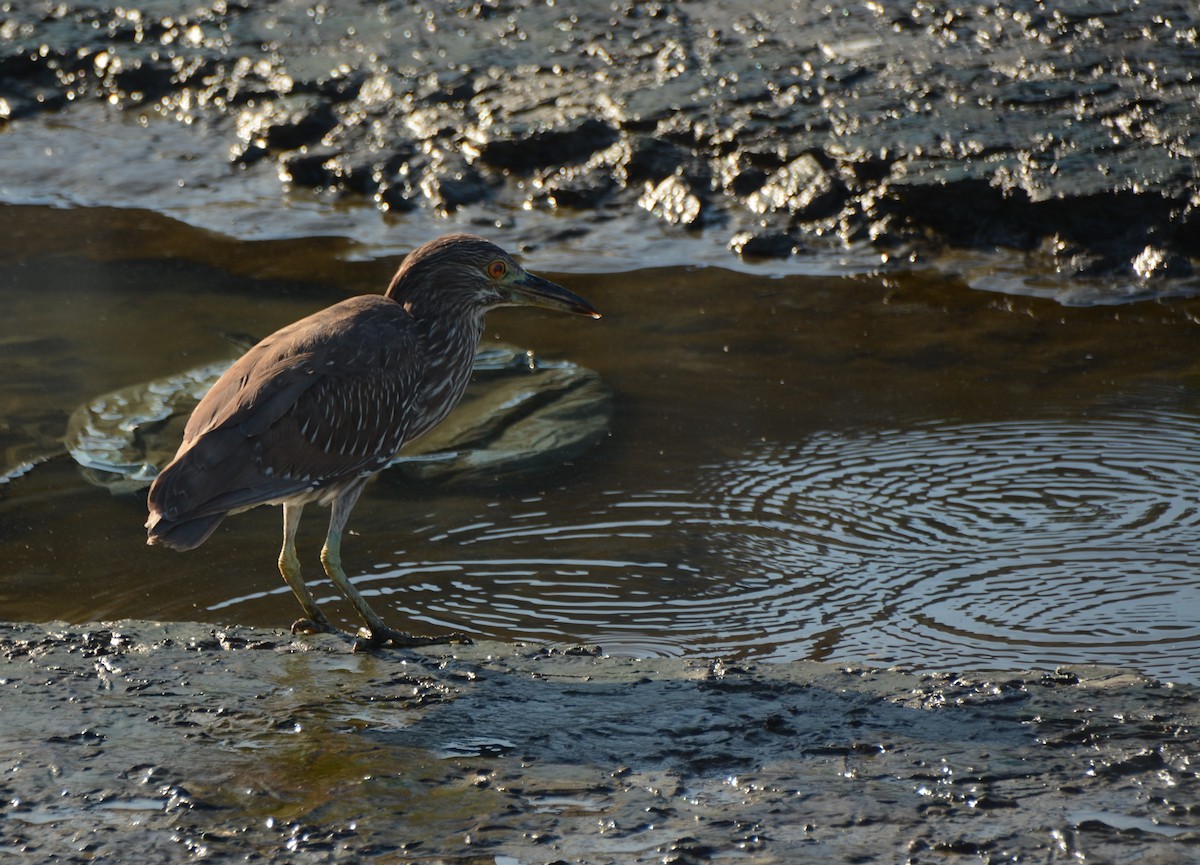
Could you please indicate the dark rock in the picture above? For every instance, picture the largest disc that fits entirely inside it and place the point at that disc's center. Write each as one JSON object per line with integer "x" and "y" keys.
{"x": 29, "y": 82}
{"x": 359, "y": 175}
{"x": 342, "y": 88}
{"x": 310, "y": 166}
{"x": 1085, "y": 235}
{"x": 675, "y": 200}
{"x": 454, "y": 184}
{"x": 771, "y": 244}
{"x": 575, "y": 188}
{"x": 286, "y": 124}
{"x": 298, "y": 125}
{"x": 584, "y": 195}
{"x": 541, "y": 148}
{"x": 739, "y": 175}
{"x": 396, "y": 184}
{"x": 397, "y": 197}
{"x": 967, "y": 211}
{"x": 803, "y": 187}
{"x": 653, "y": 160}
{"x": 247, "y": 153}
{"x": 150, "y": 81}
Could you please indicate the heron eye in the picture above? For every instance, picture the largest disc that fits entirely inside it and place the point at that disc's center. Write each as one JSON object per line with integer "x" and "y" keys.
{"x": 497, "y": 269}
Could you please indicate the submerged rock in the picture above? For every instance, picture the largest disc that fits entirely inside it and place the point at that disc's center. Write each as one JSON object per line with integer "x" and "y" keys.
{"x": 123, "y": 438}
{"x": 519, "y": 414}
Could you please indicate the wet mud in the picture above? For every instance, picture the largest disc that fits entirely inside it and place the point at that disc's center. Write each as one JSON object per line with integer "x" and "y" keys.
{"x": 1068, "y": 133}
{"x": 188, "y": 742}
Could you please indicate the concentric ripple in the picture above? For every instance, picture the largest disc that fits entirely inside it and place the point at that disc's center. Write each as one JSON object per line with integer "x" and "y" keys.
{"x": 1008, "y": 544}
{"x": 1002, "y": 545}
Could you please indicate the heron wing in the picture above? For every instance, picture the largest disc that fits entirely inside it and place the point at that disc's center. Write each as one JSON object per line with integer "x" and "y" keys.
{"x": 309, "y": 405}
{"x": 350, "y": 422}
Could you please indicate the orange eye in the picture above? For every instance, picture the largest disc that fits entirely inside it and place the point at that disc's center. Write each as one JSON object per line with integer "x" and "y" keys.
{"x": 497, "y": 269}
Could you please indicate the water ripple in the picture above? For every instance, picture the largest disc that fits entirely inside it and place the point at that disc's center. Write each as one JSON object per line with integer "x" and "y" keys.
{"x": 1000, "y": 545}
{"x": 1016, "y": 543}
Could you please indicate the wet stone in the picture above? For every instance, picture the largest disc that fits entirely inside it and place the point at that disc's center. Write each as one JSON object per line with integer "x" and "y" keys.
{"x": 524, "y": 151}
{"x": 575, "y": 190}
{"x": 452, "y": 184}
{"x": 397, "y": 195}
{"x": 310, "y": 167}
{"x": 803, "y": 187}
{"x": 675, "y": 201}
{"x": 651, "y": 159}
{"x": 286, "y": 123}
{"x": 767, "y": 244}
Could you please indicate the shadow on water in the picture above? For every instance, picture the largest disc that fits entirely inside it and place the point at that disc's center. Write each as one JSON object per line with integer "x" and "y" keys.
{"x": 894, "y": 469}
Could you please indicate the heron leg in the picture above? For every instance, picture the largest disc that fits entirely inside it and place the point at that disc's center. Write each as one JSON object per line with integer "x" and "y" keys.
{"x": 289, "y": 567}
{"x": 377, "y": 633}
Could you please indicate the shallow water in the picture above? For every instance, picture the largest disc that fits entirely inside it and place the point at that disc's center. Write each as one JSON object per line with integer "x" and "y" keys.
{"x": 893, "y": 469}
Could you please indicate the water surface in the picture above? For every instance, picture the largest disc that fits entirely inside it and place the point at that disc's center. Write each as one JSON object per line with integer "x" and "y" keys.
{"x": 892, "y": 469}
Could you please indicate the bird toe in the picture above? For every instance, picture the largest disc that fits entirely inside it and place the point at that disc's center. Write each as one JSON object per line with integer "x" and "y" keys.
{"x": 380, "y": 637}
{"x": 309, "y": 626}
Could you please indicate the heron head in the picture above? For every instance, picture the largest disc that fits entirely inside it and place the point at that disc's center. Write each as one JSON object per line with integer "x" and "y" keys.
{"x": 466, "y": 274}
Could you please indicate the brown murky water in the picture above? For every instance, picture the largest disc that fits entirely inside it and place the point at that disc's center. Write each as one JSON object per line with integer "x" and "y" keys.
{"x": 893, "y": 469}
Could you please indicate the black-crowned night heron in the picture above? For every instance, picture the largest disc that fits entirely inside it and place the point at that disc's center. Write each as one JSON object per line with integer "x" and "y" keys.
{"x": 315, "y": 409}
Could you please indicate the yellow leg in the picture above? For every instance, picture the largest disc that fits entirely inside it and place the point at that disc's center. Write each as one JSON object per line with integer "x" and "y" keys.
{"x": 377, "y": 633}
{"x": 289, "y": 567}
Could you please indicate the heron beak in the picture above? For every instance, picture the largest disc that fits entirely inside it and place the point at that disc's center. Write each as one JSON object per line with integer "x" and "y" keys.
{"x": 530, "y": 290}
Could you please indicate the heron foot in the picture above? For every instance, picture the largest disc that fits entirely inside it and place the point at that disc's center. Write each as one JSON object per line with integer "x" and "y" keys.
{"x": 317, "y": 625}
{"x": 377, "y": 638}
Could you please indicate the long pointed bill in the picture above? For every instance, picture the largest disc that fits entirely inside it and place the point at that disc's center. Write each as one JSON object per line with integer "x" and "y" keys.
{"x": 530, "y": 290}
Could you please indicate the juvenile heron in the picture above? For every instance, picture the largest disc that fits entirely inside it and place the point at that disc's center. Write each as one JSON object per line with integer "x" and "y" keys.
{"x": 315, "y": 409}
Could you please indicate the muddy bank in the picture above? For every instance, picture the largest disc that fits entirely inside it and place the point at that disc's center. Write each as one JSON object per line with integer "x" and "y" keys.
{"x": 1067, "y": 133}
{"x": 187, "y": 742}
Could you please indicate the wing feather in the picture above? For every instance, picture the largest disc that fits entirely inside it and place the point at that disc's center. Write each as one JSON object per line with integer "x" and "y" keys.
{"x": 314, "y": 403}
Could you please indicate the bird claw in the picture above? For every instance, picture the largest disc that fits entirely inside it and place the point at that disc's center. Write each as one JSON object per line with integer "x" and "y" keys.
{"x": 320, "y": 625}
{"x": 380, "y": 637}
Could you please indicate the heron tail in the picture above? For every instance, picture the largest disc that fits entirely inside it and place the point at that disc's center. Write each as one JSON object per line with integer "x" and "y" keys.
{"x": 181, "y": 535}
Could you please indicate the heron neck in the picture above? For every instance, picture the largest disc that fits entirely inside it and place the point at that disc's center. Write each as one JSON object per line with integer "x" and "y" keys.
{"x": 450, "y": 343}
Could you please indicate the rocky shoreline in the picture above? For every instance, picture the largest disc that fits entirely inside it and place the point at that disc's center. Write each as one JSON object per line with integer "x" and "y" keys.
{"x": 190, "y": 742}
{"x": 1069, "y": 134}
